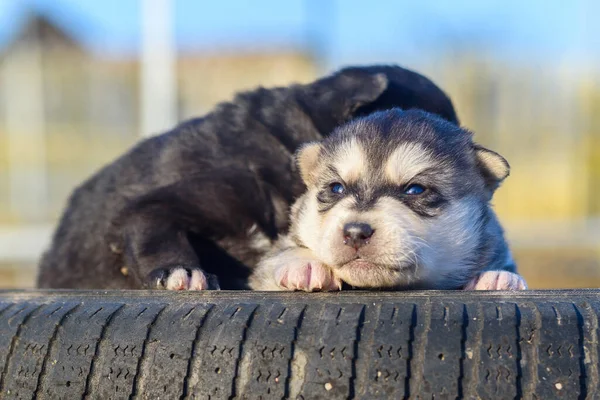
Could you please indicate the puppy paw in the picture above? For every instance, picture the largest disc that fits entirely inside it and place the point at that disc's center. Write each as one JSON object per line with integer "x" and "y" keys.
{"x": 307, "y": 275}
{"x": 179, "y": 278}
{"x": 497, "y": 280}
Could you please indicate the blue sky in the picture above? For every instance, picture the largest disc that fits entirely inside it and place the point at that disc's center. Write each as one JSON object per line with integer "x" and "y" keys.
{"x": 349, "y": 30}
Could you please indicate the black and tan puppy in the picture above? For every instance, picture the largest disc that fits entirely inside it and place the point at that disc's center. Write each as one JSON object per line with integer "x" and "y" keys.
{"x": 193, "y": 208}
{"x": 397, "y": 199}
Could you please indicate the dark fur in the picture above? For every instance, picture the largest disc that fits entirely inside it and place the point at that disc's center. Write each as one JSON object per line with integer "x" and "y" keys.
{"x": 188, "y": 197}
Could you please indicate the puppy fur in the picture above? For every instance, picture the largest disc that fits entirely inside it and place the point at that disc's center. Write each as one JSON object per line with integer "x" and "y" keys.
{"x": 195, "y": 207}
{"x": 397, "y": 199}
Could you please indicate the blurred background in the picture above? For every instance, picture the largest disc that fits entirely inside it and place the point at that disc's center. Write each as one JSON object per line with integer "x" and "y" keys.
{"x": 82, "y": 80}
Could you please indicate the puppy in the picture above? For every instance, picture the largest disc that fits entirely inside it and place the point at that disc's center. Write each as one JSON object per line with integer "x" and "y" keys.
{"x": 196, "y": 207}
{"x": 398, "y": 199}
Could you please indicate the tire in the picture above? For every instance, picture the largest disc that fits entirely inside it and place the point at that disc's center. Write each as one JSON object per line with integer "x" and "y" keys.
{"x": 252, "y": 345}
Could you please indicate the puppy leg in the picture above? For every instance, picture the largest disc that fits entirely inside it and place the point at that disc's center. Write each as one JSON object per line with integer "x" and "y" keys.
{"x": 497, "y": 280}
{"x": 222, "y": 204}
{"x": 294, "y": 269}
{"x": 160, "y": 255}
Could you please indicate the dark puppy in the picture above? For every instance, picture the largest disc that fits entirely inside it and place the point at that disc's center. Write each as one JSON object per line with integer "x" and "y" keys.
{"x": 195, "y": 207}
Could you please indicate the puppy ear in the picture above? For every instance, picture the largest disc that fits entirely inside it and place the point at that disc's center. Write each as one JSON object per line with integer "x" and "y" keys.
{"x": 349, "y": 89}
{"x": 492, "y": 165}
{"x": 367, "y": 89}
{"x": 307, "y": 158}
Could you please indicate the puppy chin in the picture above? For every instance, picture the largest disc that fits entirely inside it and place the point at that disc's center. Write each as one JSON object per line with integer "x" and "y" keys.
{"x": 365, "y": 274}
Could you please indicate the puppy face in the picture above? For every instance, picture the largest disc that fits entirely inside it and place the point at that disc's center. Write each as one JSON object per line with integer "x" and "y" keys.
{"x": 397, "y": 199}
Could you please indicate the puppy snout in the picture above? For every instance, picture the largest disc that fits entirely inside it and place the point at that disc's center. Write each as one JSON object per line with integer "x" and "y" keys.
{"x": 357, "y": 234}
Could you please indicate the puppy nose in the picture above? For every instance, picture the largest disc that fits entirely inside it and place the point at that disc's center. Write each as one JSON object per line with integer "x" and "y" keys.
{"x": 357, "y": 234}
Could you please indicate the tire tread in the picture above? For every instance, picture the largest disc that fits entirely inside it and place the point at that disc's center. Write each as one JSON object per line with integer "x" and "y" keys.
{"x": 129, "y": 345}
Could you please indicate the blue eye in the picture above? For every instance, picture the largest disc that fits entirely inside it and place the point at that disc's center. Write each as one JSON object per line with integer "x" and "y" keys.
{"x": 337, "y": 188}
{"x": 414, "y": 189}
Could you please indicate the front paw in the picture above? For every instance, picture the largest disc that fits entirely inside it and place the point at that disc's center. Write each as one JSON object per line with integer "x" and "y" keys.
{"x": 497, "y": 280}
{"x": 307, "y": 275}
{"x": 179, "y": 278}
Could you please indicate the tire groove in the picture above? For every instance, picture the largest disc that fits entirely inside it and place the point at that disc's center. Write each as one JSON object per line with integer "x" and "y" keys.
{"x": 357, "y": 337}
{"x": 519, "y": 381}
{"x": 51, "y": 342}
{"x": 135, "y": 383}
{"x": 410, "y": 344}
{"x": 185, "y": 390}
{"x": 463, "y": 343}
{"x": 583, "y": 374}
{"x": 373, "y": 316}
{"x": 536, "y": 344}
{"x": 308, "y": 341}
{"x": 97, "y": 350}
{"x": 5, "y": 363}
{"x": 241, "y": 350}
{"x": 5, "y": 309}
{"x": 534, "y": 341}
{"x": 419, "y": 346}
{"x": 591, "y": 351}
{"x": 287, "y": 388}
{"x": 470, "y": 390}
{"x": 14, "y": 342}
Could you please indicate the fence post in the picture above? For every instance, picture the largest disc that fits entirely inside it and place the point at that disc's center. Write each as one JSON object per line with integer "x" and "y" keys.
{"x": 22, "y": 78}
{"x": 158, "y": 76}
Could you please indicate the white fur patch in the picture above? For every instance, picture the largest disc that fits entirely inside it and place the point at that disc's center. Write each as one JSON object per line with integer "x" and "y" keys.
{"x": 308, "y": 220}
{"x": 405, "y": 162}
{"x": 258, "y": 240}
{"x": 351, "y": 162}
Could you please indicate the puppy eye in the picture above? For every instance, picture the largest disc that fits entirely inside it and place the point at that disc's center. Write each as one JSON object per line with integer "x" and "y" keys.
{"x": 337, "y": 188}
{"x": 414, "y": 189}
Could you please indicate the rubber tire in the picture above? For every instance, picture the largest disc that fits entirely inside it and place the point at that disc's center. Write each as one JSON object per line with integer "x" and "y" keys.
{"x": 252, "y": 345}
